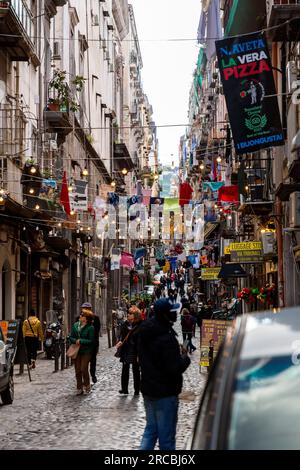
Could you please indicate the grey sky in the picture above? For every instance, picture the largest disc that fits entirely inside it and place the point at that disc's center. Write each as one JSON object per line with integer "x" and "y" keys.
{"x": 168, "y": 66}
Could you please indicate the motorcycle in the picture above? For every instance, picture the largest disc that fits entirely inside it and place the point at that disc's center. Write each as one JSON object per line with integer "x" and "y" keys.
{"x": 228, "y": 312}
{"x": 53, "y": 334}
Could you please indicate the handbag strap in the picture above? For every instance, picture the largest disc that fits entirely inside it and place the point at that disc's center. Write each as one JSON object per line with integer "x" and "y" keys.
{"x": 126, "y": 337}
{"x": 31, "y": 328}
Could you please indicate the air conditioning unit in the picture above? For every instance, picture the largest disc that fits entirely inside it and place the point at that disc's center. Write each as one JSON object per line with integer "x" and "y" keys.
{"x": 295, "y": 209}
{"x": 291, "y": 75}
{"x": 268, "y": 242}
{"x": 92, "y": 275}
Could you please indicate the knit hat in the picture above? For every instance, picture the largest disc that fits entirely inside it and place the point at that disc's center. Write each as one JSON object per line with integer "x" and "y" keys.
{"x": 86, "y": 305}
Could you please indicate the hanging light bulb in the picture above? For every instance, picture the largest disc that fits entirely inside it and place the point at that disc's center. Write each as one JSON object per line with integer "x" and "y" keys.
{"x": 113, "y": 184}
{"x": 2, "y": 191}
{"x": 37, "y": 207}
{"x": 124, "y": 171}
{"x": 37, "y": 228}
{"x": 33, "y": 170}
{"x": 70, "y": 188}
{"x": 89, "y": 229}
{"x": 85, "y": 172}
{"x": 31, "y": 191}
{"x": 202, "y": 166}
{"x": 24, "y": 228}
{"x": 81, "y": 229}
{"x": 72, "y": 212}
{"x": 219, "y": 159}
{"x": 79, "y": 221}
{"x": 59, "y": 225}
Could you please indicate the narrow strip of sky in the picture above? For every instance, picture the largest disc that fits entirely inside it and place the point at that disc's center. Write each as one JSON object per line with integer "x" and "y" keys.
{"x": 168, "y": 66}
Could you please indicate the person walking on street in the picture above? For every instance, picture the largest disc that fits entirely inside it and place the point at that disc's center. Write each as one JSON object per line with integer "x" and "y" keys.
{"x": 162, "y": 365}
{"x": 83, "y": 333}
{"x": 187, "y": 327}
{"x": 128, "y": 344}
{"x": 97, "y": 327}
{"x": 32, "y": 332}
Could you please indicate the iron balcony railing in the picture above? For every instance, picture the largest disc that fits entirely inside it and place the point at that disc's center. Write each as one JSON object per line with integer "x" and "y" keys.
{"x": 24, "y": 17}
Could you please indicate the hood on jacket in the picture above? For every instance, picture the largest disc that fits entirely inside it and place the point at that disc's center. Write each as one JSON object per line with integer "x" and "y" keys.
{"x": 33, "y": 320}
{"x": 153, "y": 328}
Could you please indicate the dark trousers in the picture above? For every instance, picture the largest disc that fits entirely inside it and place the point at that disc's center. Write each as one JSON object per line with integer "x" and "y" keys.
{"x": 94, "y": 360}
{"x": 190, "y": 345}
{"x": 125, "y": 377}
{"x": 32, "y": 344}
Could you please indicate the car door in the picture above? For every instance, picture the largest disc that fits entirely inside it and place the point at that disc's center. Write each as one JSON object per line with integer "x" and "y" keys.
{"x": 3, "y": 364}
{"x": 210, "y": 426}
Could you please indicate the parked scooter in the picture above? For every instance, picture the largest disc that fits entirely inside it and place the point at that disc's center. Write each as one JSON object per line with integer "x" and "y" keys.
{"x": 228, "y": 312}
{"x": 53, "y": 334}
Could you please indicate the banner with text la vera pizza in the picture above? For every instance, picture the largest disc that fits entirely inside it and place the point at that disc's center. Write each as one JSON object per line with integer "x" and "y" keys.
{"x": 249, "y": 89}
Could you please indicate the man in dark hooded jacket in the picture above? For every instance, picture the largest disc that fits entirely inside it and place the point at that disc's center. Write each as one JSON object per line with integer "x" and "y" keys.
{"x": 162, "y": 365}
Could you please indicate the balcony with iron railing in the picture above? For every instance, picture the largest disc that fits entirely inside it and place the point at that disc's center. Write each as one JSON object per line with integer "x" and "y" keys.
{"x": 12, "y": 133}
{"x": 10, "y": 177}
{"x": 278, "y": 13}
{"x": 257, "y": 197}
{"x": 17, "y": 31}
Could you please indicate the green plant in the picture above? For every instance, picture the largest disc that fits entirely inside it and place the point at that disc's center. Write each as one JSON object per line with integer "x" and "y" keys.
{"x": 63, "y": 92}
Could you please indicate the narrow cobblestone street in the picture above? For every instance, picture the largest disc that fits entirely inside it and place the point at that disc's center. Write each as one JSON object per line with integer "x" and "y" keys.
{"x": 46, "y": 411}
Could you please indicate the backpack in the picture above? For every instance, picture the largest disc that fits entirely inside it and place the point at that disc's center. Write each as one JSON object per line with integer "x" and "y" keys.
{"x": 187, "y": 322}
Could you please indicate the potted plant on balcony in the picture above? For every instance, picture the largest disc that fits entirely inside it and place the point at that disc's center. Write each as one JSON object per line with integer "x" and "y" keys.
{"x": 64, "y": 99}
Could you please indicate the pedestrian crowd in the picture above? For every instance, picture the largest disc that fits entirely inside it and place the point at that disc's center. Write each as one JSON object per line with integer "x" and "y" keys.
{"x": 147, "y": 344}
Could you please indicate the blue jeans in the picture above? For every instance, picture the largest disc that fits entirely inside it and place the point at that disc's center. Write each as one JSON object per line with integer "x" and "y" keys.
{"x": 161, "y": 421}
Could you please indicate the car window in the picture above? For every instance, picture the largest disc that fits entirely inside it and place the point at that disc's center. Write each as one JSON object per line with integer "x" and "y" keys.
{"x": 265, "y": 412}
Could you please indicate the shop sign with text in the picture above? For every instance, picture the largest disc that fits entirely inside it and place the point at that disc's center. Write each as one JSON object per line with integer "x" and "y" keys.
{"x": 249, "y": 88}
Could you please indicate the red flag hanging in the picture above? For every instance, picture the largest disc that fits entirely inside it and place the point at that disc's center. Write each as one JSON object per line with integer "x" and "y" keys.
{"x": 185, "y": 193}
{"x": 64, "y": 195}
{"x": 127, "y": 260}
{"x": 229, "y": 194}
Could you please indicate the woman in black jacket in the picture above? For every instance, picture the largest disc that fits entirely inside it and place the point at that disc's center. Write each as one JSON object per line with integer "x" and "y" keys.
{"x": 128, "y": 344}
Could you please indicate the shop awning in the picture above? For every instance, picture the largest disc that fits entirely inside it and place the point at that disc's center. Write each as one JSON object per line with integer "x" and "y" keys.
{"x": 209, "y": 228}
{"x": 232, "y": 270}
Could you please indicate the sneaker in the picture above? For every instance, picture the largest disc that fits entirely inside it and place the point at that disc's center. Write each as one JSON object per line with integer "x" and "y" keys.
{"x": 123, "y": 392}
{"x": 33, "y": 365}
{"x": 94, "y": 379}
{"x": 79, "y": 391}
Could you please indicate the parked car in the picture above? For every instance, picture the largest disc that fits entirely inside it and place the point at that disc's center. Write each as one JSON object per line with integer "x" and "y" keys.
{"x": 6, "y": 372}
{"x": 149, "y": 289}
{"x": 251, "y": 399}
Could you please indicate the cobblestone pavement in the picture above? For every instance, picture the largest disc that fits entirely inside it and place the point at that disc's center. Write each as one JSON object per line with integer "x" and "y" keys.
{"x": 46, "y": 413}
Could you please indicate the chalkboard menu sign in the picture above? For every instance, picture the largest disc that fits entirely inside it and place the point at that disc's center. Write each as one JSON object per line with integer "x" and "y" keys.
{"x": 12, "y": 334}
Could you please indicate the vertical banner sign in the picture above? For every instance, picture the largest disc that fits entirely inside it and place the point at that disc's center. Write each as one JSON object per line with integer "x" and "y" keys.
{"x": 249, "y": 88}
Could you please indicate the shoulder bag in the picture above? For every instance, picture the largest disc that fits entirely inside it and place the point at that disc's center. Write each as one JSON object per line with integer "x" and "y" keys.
{"x": 73, "y": 350}
{"x": 118, "y": 351}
